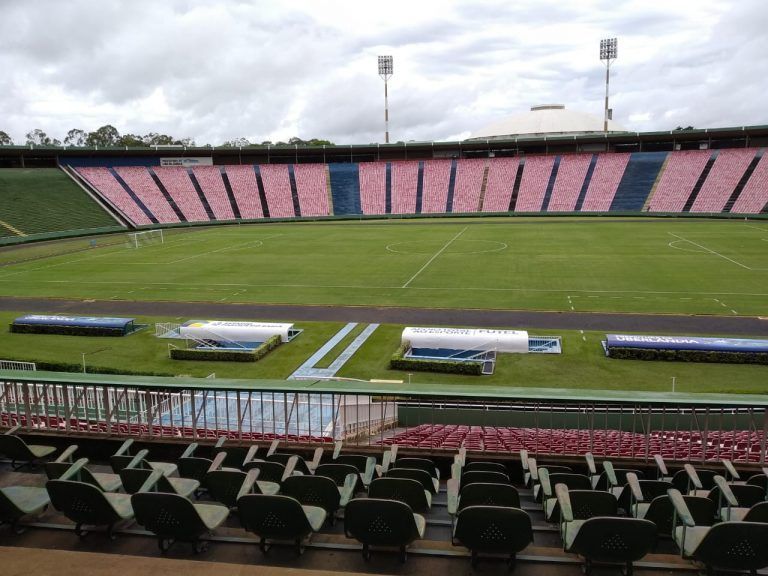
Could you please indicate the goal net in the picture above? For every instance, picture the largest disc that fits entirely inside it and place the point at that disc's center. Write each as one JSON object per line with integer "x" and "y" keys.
{"x": 145, "y": 238}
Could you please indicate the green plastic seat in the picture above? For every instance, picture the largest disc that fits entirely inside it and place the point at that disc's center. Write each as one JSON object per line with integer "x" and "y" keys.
{"x": 319, "y": 491}
{"x": 338, "y": 473}
{"x": 135, "y": 478}
{"x": 17, "y": 450}
{"x": 648, "y": 499}
{"x": 226, "y": 486}
{"x": 196, "y": 467}
{"x": 375, "y": 522}
{"x": 403, "y": 490}
{"x": 483, "y": 476}
{"x": 172, "y": 518}
{"x": 236, "y": 455}
{"x": 279, "y": 518}
{"x": 481, "y": 466}
{"x": 481, "y": 494}
{"x": 757, "y": 513}
{"x": 612, "y": 540}
{"x": 492, "y": 530}
{"x": 429, "y": 483}
{"x": 614, "y": 479}
{"x": 125, "y": 458}
{"x": 577, "y": 506}
{"x": 694, "y": 481}
{"x": 103, "y": 481}
{"x": 283, "y": 458}
{"x": 548, "y": 497}
{"x": 19, "y": 501}
{"x": 418, "y": 464}
{"x": 268, "y": 471}
{"x": 365, "y": 465}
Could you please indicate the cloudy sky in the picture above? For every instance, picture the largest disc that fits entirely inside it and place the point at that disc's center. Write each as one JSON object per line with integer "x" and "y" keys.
{"x": 268, "y": 70}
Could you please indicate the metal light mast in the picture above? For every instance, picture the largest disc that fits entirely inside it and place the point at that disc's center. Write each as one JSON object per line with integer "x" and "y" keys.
{"x": 385, "y": 71}
{"x": 608, "y": 54}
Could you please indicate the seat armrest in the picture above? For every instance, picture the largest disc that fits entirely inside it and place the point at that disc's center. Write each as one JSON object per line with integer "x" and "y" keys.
{"x": 634, "y": 486}
{"x": 533, "y": 469}
{"x": 66, "y": 456}
{"x": 13, "y": 430}
{"x": 125, "y": 448}
{"x": 385, "y": 461}
{"x": 546, "y": 487}
{"x": 524, "y": 459}
{"x": 273, "y": 447}
{"x": 693, "y": 476}
{"x": 250, "y": 480}
{"x": 661, "y": 465}
{"x": 462, "y": 456}
{"x": 290, "y": 467}
{"x": 456, "y": 470}
{"x": 393, "y": 450}
{"x": 151, "y": 482}
{"x": 681, "y": 508}
{"x": 731, "y": 470}
{"x": 220, "y": 442}
{"x": 251, "y": 454}
{"x": 140, "y": 456}
{"x": 610, "y": 473}
{"x": 564, "y": 499}
{"x": 317, "y": 457}
{"x": 336, "y": 449}
{"x": 590, "y": 463}
{"x": 217, "y": 461}
{"x": 453, "y": 496}
{"x": 726, "y": 491}
{"x": 189, "y": 450}
{"x": 73, "y": 472}
{"x": 348, "y": 490}
{"x": 370, "y": 470}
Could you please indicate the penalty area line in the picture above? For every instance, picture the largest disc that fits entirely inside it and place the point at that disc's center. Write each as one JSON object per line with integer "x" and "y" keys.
{"x": 711, "y": 251}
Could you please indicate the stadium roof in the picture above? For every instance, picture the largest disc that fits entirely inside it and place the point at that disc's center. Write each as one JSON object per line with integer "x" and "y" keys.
{"x": 546, "y": 120}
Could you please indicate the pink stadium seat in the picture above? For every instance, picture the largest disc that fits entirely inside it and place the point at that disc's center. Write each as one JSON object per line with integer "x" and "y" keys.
{"x": 106, "y": 184}
{"x": 277, "y": 189}
{"x": 437, "y": 174}
{"x": 570, "y": 178}
{"x": 212, "y": 185}
{"x": 373, "y": 187}
{"x": 605, "y": 180}
{"x": 501, "y": 181}
{"x": 533, "y": 185}
{"x": 678, "y": 179}
{"x": 176, "y": 181}
{"x": 245, "y": 189}
{"x": 311, "y": 189}
{"x": 754, "y": 196}
{"x": 469, "y": 181}
{"x": 405, "y": 181}
{"x": 726, "y": 172}
{"x": 141, "y": 183}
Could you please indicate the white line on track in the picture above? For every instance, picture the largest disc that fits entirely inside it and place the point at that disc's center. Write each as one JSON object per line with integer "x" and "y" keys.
{"x": 711, "y": 251}
{"x": 445, "y": 246}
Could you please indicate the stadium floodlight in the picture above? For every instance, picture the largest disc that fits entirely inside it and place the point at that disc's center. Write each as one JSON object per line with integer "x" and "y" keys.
{"x": 608, "y": 53}
{"x": 385, "y": 71}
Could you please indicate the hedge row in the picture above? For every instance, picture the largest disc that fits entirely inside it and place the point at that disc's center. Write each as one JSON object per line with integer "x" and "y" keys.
{"x": 226, "y": 355}
{"x": 689, "y": 355}
{"x": 69, "y": 367}
{"x": 65, "y": 330}
{"x": 400, "y": 362}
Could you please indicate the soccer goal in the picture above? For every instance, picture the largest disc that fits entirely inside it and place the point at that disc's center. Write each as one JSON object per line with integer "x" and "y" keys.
{"x": 145, "y": 238}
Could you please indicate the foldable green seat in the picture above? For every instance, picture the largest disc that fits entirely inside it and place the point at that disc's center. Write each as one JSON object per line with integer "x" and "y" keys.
{"x": 760, "y": 480}
{"x": 19, "y": 501}
{"x": 547, "y": 482}
{"x": 279, "y": 518}
{"x": 135, "y": 478}
{"x": 492, "y": 530}
{"x": 196, "y": 467}
{"x": 320, "y": 491}
{"x": 648, "y": 499}
{"x": 87, "y": 505}
{"x": 124, "y": 458}
{"x": 365, "y": 465}
{"x": 662, "y": 473}
{"x": 613, "y": 479}
{"x": 484, "y": 477}
{"x": 424, "y": 478}
{"x": 338, "y": 473}
{"x": 403, "y": 490}
{"x": 533, "y": 469}
{"x": 730, "y": 545}
{"x": 268, "y": 471}
{"x": 14, "y": 447}
{"x": 734, "y": 501}
{"x": 283, "y": 458}
{"x": 418, "y": 464}
{"x": 375, "y": 522}
{"x": 226, "y": 486}
{"x": 481, "y": 466}
{"x": 236, "y": 455}
{"x": 173, "y": 517}
{"x": 583, "y": 505}
{"x": 694, "y": 481}
{"x": 481, "y": 494}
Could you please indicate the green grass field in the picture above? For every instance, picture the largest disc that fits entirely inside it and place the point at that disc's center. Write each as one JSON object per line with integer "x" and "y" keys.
{"x": 643, "y": 265}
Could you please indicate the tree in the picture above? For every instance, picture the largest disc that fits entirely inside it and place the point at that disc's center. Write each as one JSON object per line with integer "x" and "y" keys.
{"x": 75, "y": 137}
{"x": 155, "y": 139}
{"x": 319, "y": 142}
{"x": 681, "y": 129}
{"x": 188, "y": 142}
{"x": 237, "y": 143}
{"x": 130, "y": 140}
{"x": 39, "y": 138}
{"x": 104, "y": 136}
{"x": 295, "y": 141}
{"x": 5, "y": 140}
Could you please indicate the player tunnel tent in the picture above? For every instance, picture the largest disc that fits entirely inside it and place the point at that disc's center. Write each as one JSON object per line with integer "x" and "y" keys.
{"x": 75, "y": 325}
{"x": 224, "y": 334}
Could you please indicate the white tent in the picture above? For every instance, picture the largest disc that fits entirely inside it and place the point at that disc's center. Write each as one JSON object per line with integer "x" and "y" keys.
{"x": 467, "y": 339}
{"x": 226, "y": 331}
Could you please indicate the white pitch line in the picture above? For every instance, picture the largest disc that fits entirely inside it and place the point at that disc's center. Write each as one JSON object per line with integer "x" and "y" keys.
{"x": 711, "y": 251}
{"x": 232, "y": 247}
{"x": 451, "y": 241}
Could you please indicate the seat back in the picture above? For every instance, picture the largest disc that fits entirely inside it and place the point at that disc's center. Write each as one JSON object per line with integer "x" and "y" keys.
{"x": 268, "y": 471}
{"x": 401, "y": 489}
{"x": 573, "y": 481}
{"x": 120, "y": 461}
{"x": 224, "y": 485}
{"x": 313, "y": 491}
{"x": 681, "y": 479}
{"x": 651, "y": 489}
{"x": 133, "y": 480}
{"x": 493, "y": 529}
{"x": 489, "y": 494}
{"x": 336, "y": 472}
{"x": 484, "y": 477}
{"x": 417, "y": 464}
{"x": 14, "y": 447}
{"x": 194, "y": 467}
{"x": 590, "y": 503}
{"x": 760, "y": 480}
{"x": 757, "y": 513}
{"x": 702, "y": 509}
{"x": 278, "y": 517}
{"x": 54, "y": 471}
{"x": 486, "y": 467}
{"x": 168, "y": 515}
{"x": 359, "y": 461}
{"x": 282, "y": 458}
{"x": 621, "y": 477}
{"x": 606, "y": 539}
{"x": 420, "y": 476}
{"x": 735, "y": 546}
{"x": 380, "y": 522}
{"x": 746, "y": 495}
{"x": 81, "y": 502}
{"x": 661, "y": 512}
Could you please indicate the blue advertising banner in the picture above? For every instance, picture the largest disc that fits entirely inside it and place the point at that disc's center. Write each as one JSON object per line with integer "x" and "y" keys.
{"x": 685, "y": 343}
{"x": 82, "y": 321}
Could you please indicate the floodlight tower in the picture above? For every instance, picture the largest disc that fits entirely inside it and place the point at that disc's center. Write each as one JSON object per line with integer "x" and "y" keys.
{"x": 608, "y": 54}
{"x": 385, "y": 71}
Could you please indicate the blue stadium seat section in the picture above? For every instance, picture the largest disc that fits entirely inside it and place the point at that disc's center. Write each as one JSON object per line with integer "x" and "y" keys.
{"x": 345, "y": 187}
{"x": 639, "y": 176}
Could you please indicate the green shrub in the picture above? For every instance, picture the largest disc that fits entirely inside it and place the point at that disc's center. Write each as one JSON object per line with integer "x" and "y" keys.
{"x": 400, "y": 362}
{"x": 226, "y": 355}
{"x": 70, "y": 367}
{"x": 689, "y": 355}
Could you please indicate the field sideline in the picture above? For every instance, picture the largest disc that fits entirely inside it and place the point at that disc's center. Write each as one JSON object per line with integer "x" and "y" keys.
{"x": 648, "y": 266}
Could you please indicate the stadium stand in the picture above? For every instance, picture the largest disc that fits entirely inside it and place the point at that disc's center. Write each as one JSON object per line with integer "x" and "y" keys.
{"x": 105, "y": 183}
{"x": 609, "y": 170}
{"x": 405, "y": 180}
{"x": 311, "y": 189}
{"x": 176, "y": 181}
{"x": 277, "y": 189}
{"x": 723, "y": 177}
{"x": 498, "y": 189}
{"x": 754, "y": 197}
{"x": 373, "y": 190}
{"x": 435, "y": 195}
{"x": 140, "y": 182}
{"x": 209, "y": 178}
{"x": 469, "y": 181}
{"x": 678, "y": 179}
{"x": 570, "y": 179}
{"x": 533, "y": 185}
{"x": 245, "y": 190}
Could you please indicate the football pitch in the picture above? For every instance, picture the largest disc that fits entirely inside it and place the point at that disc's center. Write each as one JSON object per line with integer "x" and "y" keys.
{"x": 642, "y": 265}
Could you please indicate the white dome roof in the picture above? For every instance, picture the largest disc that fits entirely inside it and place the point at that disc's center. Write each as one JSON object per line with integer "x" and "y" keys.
{"x": 545, "y": 120}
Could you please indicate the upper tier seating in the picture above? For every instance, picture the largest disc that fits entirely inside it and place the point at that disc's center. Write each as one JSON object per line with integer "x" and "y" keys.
{"x": 277, "y": 189}
{"x": 373, "y": 187}
{"x": 245, "y": 189}
{"x": 754, "y": 196}
{"x": 106, "y": 184}
{"x": 469, "y": 181}
{"x": 405, "y": 181}
{"x": 176, "y": 181}
{"x": 725, "y": 174}
{"x": 678, "y": 179}
{"x": 570, "y": 178}
{"x": 533, "y": 185}
{"x": 437, "y": 174}
{"x": 140, "y": 182}
{"x": 212, "y": 185}
{"x": 498, "y": 187}
{"x": 605, "y": 180}
{"x": 311, "y": 189}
